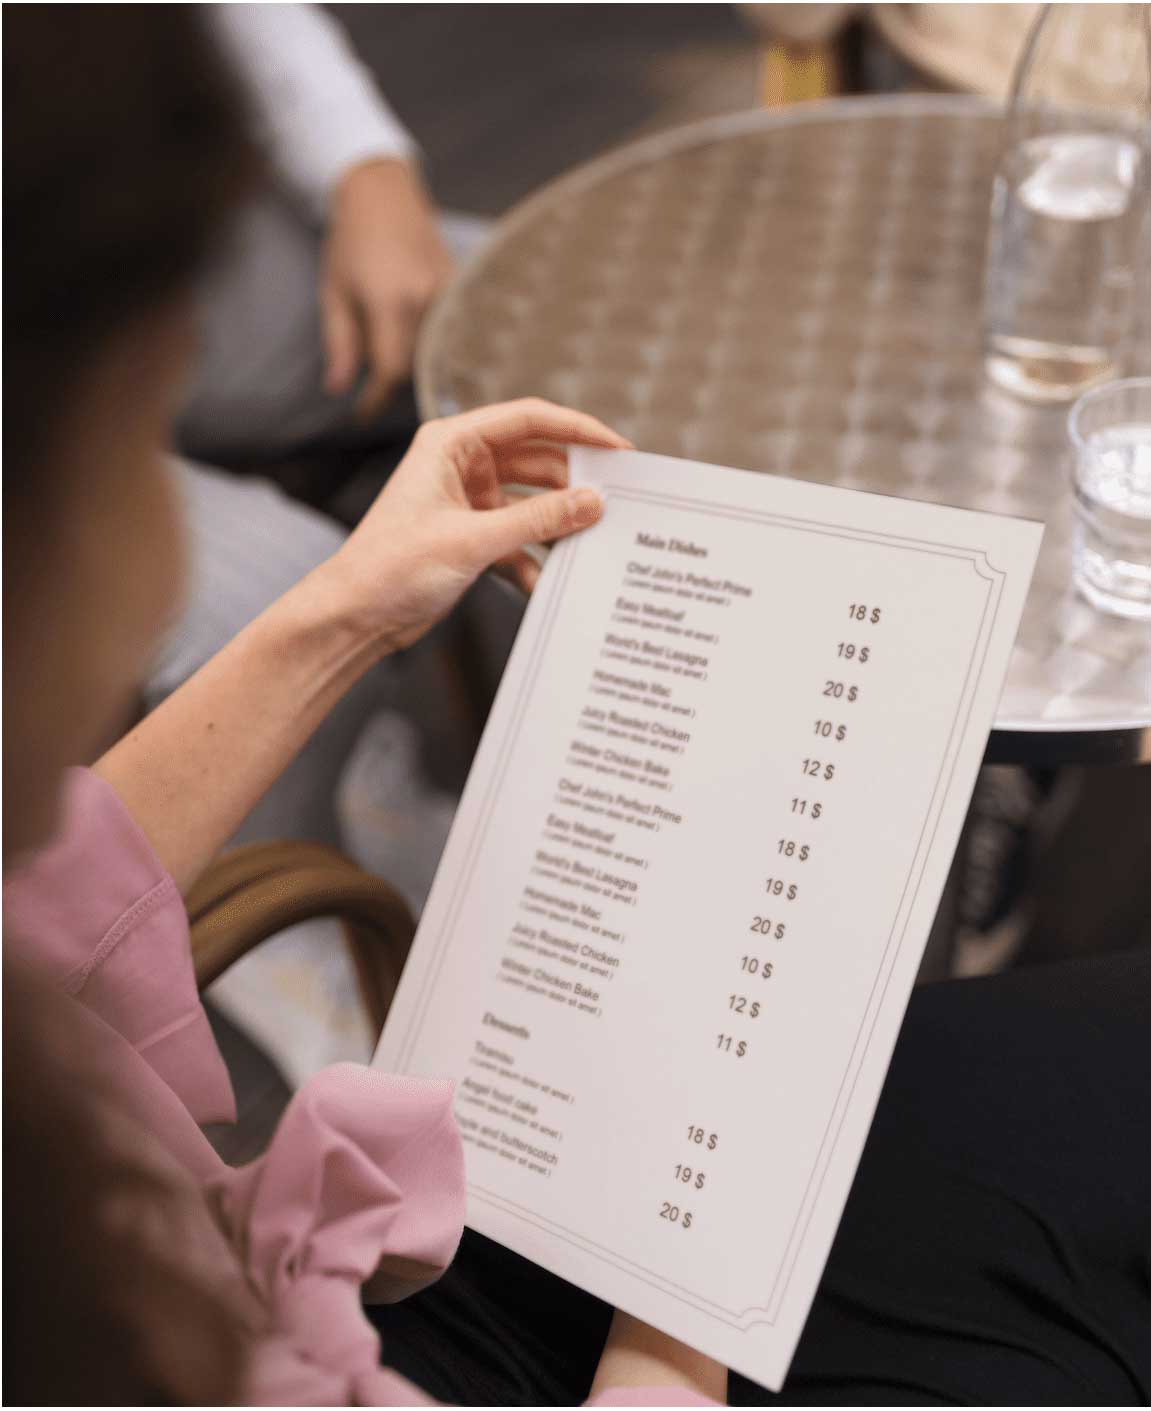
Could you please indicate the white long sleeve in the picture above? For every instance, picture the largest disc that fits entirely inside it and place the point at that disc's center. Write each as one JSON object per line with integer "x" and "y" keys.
{"x": 317, "y": 108}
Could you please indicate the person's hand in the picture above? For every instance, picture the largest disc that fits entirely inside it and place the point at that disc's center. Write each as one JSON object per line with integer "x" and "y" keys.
{"x": 383, "y": 264}
{"x": 445, "y": 515}
{"x": 636, "y": 1355}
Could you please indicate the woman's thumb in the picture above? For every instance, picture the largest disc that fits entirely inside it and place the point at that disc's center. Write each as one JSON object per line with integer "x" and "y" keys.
{"x": 538, "y": 519}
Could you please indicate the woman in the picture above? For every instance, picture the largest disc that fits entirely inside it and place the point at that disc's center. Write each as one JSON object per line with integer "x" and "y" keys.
{"x": 126, "y": 152}
{"x": 997, "y": 1244}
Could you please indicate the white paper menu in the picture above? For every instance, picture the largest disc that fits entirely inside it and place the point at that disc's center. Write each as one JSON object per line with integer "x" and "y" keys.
{"x": 676, "y": 924}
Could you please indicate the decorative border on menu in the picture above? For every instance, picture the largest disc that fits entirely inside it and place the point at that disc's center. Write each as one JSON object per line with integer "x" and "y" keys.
{"x": 984, "y": 569}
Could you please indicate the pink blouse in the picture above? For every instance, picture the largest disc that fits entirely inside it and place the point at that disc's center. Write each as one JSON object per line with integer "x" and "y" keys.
{"x": 361, "y": 1193}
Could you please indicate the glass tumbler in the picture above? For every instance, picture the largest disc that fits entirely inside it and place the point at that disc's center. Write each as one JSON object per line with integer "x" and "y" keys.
{"x": 1110, "y": 430}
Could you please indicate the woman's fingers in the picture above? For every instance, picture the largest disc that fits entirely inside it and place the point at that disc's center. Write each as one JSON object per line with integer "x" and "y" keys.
{"x": 480, "y": 480}
{"x": 542, "y": 466}
{"x": 519, "y": 569}
{"x": 389, "y": 338}
{"x": 532, "y": 417}
{"x": 342, "y": 341}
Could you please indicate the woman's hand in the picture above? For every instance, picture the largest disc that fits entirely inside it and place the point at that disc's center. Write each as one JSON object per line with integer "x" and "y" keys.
{"x": 445, "y": 514}
{"x": 191, "y": 771}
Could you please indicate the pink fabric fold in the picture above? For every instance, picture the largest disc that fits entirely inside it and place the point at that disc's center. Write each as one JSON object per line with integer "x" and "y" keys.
{"x": 363, "y": 1184}
{"x": 96, "y": 914}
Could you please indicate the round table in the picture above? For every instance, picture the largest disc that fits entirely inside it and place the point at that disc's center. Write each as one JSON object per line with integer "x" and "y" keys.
{"x": 798, "y": 292}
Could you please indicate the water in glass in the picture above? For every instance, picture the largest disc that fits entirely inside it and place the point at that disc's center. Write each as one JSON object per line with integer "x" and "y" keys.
{"x": 1111, "y": 429}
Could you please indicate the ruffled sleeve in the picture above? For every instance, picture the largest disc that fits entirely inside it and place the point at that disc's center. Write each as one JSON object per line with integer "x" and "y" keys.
{"x": 361, "y": 1193}
{"x": 96, "y": 914}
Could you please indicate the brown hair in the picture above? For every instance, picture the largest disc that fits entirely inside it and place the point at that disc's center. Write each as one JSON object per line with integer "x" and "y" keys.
{"x": 125, "y": 150}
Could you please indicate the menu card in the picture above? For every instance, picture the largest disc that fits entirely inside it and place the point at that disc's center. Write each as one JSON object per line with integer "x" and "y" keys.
{"x": 683, "y": 903}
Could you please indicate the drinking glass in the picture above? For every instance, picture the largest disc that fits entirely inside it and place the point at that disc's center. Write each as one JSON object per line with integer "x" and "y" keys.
{"x": 1111, "y": 435}
{"x": 1069, "y": 215}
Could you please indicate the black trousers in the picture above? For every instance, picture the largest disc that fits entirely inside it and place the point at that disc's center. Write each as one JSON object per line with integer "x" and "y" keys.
{"x": 996, "y": 1248}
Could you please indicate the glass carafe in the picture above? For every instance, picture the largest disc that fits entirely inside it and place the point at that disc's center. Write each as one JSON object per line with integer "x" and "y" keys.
{"x": 1069, "y": 214}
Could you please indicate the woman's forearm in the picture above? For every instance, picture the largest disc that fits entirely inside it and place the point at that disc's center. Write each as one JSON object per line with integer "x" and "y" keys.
{"x": 192, "y": 770}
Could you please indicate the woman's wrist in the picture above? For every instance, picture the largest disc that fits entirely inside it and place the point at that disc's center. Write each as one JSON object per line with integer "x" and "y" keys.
{"x": 396, "y": 180}
{"x": 330, "y": 614}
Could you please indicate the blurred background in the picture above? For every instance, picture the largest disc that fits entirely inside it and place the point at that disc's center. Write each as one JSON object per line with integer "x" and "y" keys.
{"x": 504, "y": 97}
